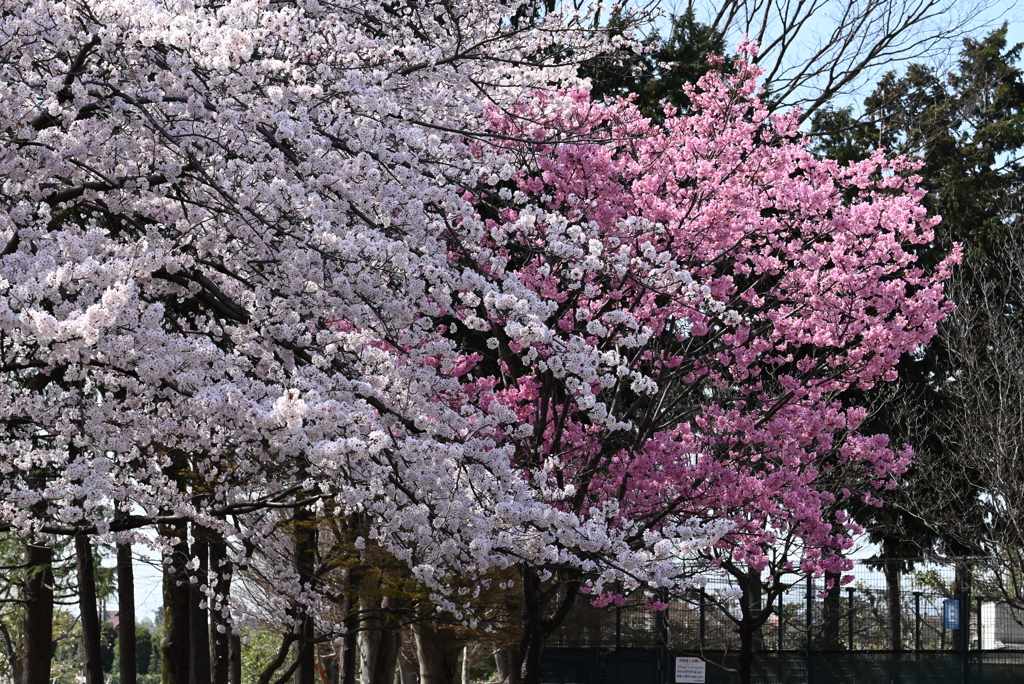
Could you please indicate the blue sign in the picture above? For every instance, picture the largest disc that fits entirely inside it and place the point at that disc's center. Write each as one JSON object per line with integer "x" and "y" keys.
{"x": 951, "y": 613}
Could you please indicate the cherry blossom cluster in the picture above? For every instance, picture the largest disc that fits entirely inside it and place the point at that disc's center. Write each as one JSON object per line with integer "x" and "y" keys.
{"x": 264, "y": 255}
{"x": 225, "y": 244}
{"x": 713, "y": 289}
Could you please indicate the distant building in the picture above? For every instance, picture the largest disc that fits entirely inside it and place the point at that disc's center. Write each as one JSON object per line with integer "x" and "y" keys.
{"x": 1001, "y": 626}
{"x": 110, "y": 616}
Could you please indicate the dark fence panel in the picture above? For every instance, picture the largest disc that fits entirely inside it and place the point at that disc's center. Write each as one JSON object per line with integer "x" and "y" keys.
{"x": 570, "y": 666}
{"x": 638, "y": 666}
{"x": 843, "y": 636}
{"x": 857, "y": 617}
{"x": 627, "y": 666}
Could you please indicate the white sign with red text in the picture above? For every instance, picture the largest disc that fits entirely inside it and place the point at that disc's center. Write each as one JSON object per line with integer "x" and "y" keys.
{"x": 690, "y": 670}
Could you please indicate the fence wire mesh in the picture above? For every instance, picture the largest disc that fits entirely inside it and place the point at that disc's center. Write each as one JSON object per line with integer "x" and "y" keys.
{"x": 907, "y": 611}
{"x": 633, "y": 666}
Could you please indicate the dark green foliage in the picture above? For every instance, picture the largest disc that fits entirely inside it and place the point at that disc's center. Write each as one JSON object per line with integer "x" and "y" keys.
{"x": 967, "y": 125}
{"x": 837, "y": 134}
{"x": 143, "y": 650}
{"x": 106, "y": 583}
{"x": 154, "y": 659}
{"x": 108, "y": 647}
{"x": 969, "y": 128}
{"x": 660, "y": 74}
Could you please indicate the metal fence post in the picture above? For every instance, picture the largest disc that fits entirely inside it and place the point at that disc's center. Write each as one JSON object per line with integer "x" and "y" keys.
{"x": 782, "y": 624}
{"x": 917, "y": 621}
{"x": 663, "y": 634}
{"x": 964, "y": 609}
{"x": 977, "y": 602}
{"x": 703, "y": 620}
{"x": 665, "y": 638}
{"x": 849, "y": 617}
{"x": 809, "y": 622}
{"x": 618, "y": 626}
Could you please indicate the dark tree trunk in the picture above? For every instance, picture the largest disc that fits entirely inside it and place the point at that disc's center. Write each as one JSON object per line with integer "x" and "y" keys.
{"x": 408, "y": 667}
{"x": 378, "y": 656}
{"x": 331, "y": 670}
{"x": 88, "y": 609}
{"x": 199, "y": 619}
{"x": 832, "y": 607}
{"x": 348, "y": 657}
{"x": 962, "y": 587}
{"x": 531, "y": 650}
{"x": 306, "y": 549}
{"x": 531, "y": 643}
{"x": 749, "y": 627}
{"x": 378, "y": 643}
{"x": 506, "y": 660}
{"x": 542, "y": 612}
{"x": 745, "y": 669}
{"x": 756, "y": 604}
{"x": 174, "y": 647}
{"x": 220, "y": 635}
{"x": 14, "y": 657}
{"x": 38, "y": 613}
{"x": 235, "y": 642}
{"x": 893, "y": 576}
{"x": 278, "y": 660}
{"x": 126, "y": 614}
{"x": 437, "y": 653}
{"x": 350, "y": 640}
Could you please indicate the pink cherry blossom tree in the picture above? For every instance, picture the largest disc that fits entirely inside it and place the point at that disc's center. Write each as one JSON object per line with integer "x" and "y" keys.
{"x": 258, "y": 257}
{"x": 224, "y": 246}
{"x": 712, "y": 290}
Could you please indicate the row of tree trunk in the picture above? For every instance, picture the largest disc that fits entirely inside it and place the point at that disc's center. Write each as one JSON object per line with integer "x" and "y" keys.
{"x": 197, "y": 647}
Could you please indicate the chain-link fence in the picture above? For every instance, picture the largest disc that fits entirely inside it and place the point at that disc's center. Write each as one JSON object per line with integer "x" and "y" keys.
{"x": 901, "y": 617}
{"x": 920, "y": 613}
{"x": 647, "y": 666}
